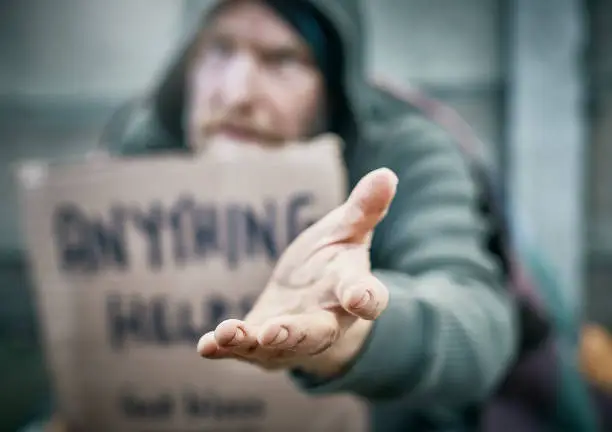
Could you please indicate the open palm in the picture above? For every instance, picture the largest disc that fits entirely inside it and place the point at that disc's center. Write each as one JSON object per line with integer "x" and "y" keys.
{"x": 321, "y": 287}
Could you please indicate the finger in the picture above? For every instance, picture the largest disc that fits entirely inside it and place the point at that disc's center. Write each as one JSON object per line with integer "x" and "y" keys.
{"x": 365, "y": 298}
{"x": 237, "y": 337}
{"x": 353, "y": 221}
{"x": 234, "y": 333}
{"x": 310, "y": 333}
{"x": 208, "y": 348}
{"x": 238, "y": 340}
{"x": 368, "y": 203}
{"x": 358, "y": 216}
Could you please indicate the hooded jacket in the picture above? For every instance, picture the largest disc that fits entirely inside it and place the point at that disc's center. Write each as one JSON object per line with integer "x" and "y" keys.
{"x": 449, "y": 333}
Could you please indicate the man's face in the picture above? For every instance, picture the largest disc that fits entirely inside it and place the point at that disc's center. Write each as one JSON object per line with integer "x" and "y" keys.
{"x": 252, "y": 79}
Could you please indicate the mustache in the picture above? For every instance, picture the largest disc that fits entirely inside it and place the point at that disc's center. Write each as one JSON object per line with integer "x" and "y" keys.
{"x": 242, "y": 126}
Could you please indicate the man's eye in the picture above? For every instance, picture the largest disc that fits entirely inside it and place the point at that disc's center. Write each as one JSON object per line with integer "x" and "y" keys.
{"x": 282, "y": 59}
{"x": 220, "y": 48}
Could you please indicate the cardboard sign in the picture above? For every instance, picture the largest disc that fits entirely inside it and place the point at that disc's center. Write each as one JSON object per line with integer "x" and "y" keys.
{"x": 135, "y": 259}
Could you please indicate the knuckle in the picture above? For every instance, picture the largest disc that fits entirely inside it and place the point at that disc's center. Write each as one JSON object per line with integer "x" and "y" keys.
{"x": 324, "y": 346}
{"x": 372, "y": 311}
{"x": 331, "y": 334}
{"x": 328, "y": 337}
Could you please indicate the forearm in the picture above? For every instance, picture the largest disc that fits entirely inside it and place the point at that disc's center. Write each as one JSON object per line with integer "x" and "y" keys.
{"x": 440, "y": 341}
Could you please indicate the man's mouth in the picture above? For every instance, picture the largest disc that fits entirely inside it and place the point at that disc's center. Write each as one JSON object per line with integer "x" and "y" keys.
{"x": 239, "y": 133}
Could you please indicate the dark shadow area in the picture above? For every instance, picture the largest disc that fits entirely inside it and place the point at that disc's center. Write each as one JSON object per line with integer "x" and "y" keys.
{"x": 24, "y": 381}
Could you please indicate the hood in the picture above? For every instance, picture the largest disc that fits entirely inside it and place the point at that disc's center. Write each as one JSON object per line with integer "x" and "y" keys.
{"x": 154, "y": 122}
{"x": 345, "y": 15}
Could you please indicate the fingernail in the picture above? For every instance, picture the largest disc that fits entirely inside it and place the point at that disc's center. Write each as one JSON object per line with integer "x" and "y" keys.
{"x": 208, "y": 354}
{"x": 364, "y": 300}
{"x": 281, "y": 337}
{"x": 204, "y": 348}
{"x": 238, "y": 337}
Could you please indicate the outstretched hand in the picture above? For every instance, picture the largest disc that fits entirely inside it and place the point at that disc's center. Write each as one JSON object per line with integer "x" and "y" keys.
{"x": 318, "y": 306}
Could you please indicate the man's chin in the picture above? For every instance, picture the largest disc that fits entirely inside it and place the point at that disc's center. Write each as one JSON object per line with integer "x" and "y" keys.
{"x": 234, "y": 139}
{"x": 228, "y": 141}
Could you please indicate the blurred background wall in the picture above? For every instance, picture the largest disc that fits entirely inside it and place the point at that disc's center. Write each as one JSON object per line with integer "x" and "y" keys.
{"x": 68, "y": 63}
{"x": 532, "y": 78}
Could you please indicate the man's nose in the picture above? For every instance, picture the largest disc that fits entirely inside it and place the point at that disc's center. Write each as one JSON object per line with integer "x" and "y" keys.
{"x": 240, "y": 81}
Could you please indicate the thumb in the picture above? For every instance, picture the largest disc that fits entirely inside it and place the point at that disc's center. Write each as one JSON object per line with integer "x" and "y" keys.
{"x": 367, "y": 204}
{"x": 352, "y": 221}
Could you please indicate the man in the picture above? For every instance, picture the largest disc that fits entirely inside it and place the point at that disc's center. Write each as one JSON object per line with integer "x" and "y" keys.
{"x": 428, "y": 332}
{"x": 394, "y": 296}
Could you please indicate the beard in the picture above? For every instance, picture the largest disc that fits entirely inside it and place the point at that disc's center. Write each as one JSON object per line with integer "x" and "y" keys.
{"x": 233, "y": 128}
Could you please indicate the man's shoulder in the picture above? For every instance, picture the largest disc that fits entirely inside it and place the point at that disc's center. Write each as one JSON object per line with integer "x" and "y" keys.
{"x": 401, "y": 129}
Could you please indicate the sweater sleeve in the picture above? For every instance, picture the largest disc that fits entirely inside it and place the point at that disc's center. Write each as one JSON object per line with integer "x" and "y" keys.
{"x": 449, "y": 332}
